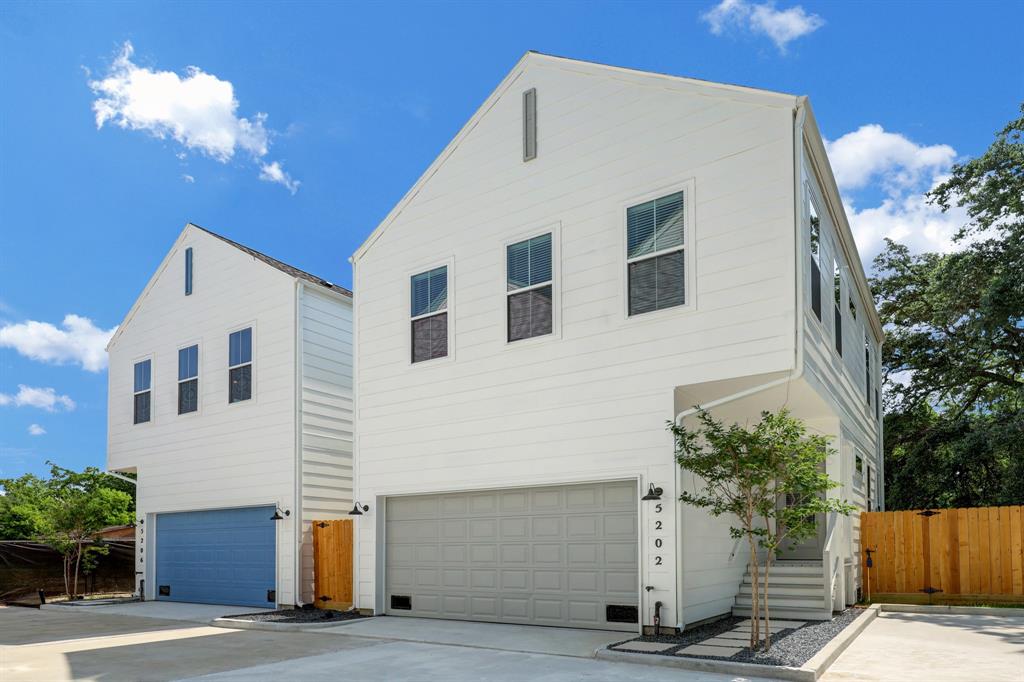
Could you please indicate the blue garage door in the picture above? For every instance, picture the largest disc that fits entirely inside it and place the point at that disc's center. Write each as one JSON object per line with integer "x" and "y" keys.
{"x": 225, "y": 556}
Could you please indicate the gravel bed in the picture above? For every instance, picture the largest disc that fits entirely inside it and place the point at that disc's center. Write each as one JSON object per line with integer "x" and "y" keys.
{"x": 299, "y": 616}
{"x": 790, "y": 647}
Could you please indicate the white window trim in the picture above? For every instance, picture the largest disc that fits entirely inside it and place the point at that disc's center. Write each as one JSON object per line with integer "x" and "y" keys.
{"x": 199, "y": 371}
{"x": 252, "y": 362}
{"x": 152, "y": 393}
{"x": 689, "y": 248}
{"x": 449, "y": 308}
{"x": 555, "y": 229}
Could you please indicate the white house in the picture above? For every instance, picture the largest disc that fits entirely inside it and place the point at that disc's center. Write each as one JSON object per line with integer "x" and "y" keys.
{"x": 230, "y": 396}
{"x": 595, "y": 252}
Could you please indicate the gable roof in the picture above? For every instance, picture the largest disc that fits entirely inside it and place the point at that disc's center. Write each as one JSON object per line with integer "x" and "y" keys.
{"x": 289, "y": 270}
{"x": 753, "y": 95}
{"x": 274, "y": 263}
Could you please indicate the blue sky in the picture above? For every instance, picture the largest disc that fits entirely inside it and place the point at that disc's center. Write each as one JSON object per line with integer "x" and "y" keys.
{"x": 353, "y": 101}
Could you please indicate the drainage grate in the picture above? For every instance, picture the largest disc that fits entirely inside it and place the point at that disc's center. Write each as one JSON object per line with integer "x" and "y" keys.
{"x": 165, "y": 590}
{"x": 401, "y": 602}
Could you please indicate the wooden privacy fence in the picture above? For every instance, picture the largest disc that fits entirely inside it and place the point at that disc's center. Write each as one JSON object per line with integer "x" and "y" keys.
{"x": 332, "y": 563}
{"x": 976, "y": 551}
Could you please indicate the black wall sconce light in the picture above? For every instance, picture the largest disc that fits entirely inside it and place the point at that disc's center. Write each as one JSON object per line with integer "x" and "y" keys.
{"x": 653, "y": 493}
{"x": 358, "y": 509}
{"x": 278, "y": 514}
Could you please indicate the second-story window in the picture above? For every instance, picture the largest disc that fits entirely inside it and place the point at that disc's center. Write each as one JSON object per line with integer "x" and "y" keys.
{"x": 240, "y": 365}
{"x": 188, "y": 379}
{"x": 430, "y": 314}
{"x": 837, "y": 292}
{"x": 867, "y": 367}
{"x": 654, "y": 254}
{"x": 528, "y": 286}
{"x": 815, "y": 236}
{"x": 143, "y": 392}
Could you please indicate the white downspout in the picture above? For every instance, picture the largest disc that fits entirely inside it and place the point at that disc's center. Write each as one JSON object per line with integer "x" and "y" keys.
{"x": 298, "y": 518}
{"x": 799, "y": 115}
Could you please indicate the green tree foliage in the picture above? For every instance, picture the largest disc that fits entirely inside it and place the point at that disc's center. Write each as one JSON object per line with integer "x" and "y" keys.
{"x": 747, "y": 475}
{"x": 954, "y": 351}
{"x": 65, "y": 512}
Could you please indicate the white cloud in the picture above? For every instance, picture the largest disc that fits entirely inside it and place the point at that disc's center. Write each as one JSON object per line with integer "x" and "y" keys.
{"x": 36, "y": 430}
{"x": 272, "y": 172}
{"x": 199, "y": 110}
{"x": 904, "y": 171}
{"x": 43, "y": 398}
{"x": 78, "y": 342}
{"x": 781, "y": 26}
{"x": 188, "y": 178}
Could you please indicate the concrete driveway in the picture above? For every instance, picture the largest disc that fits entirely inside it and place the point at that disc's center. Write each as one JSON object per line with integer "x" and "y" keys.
{"x": 934, "y": 648}
{"x": 73, "y": 644}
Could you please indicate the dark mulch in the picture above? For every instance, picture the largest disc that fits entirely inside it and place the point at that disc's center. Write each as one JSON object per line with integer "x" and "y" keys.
{"x": 790, "y": 647}
{"x": 300, "y": 616}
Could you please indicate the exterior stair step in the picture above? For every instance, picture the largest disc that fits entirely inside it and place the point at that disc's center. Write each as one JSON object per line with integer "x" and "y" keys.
{"x": 788, "y": 612}
{"x": 800, "y": 579}
{"x": 783, "y": 601}
{"x": 787, "y": 590}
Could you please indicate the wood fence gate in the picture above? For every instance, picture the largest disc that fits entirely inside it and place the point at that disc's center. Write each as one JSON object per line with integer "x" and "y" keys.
{"x": 332, "y": 563}
{"x": 976, "y": 552}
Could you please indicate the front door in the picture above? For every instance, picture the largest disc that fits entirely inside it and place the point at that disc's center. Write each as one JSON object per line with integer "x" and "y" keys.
{"x": 806, "y": 550}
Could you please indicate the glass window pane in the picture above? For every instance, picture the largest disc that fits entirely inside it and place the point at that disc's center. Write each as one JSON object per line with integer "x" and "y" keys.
{"x": 240, "y": 383}
{"x": 430, "y": 337}
{"x": 246, "y": 343}
{"x": 815, "y": 227}
{"x": 142, "y": 375}
{"x": 420, "y": 293}
{"x": 529, "y": 314}
{"x": 640, "y": 229}
{"x": 657, "y": 283}
{"x": 518, "y": 258}
{"x": 188, "y": 363}
{"x": 668, "y": 221}
{"x": 540, "y": 259}
{"x": 188, "y": 396}
{"x": 141, "y": 411}
{"x": 429, "y": 291}
{"x": 240, "y": 347}
{"x": 438, "y": 289}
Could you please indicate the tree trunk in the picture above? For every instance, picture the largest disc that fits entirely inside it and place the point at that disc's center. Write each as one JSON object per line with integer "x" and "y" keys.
{"x": 767, "y": 618}
{"x": 78, "y": 562}
{"x": 755, "y": 620}
{"x": 67, "y": 575}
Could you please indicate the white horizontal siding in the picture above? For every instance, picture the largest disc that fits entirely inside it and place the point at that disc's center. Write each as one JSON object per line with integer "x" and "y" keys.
{"x": 326, "y": 417}
{"x": 224, "y": 455}
{"x": 592, "y": 402}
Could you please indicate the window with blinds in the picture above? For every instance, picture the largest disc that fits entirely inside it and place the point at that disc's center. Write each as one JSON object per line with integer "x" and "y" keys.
{"x": 429, "y": 312}
{"x": 814, "y": 222}
{"x": 529, "y": 294}
{"x": 188, "y": 379}
{"x": 655, "y": 258}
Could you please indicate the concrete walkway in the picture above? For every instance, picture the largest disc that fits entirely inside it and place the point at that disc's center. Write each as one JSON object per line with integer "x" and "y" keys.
{"x": 523, "y": 638}
{"x": 935, "y": 647}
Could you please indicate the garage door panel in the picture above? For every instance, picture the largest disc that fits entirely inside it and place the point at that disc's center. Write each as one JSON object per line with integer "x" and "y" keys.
{"x": 224, "y": 556}
{"x": 549, "y": 556}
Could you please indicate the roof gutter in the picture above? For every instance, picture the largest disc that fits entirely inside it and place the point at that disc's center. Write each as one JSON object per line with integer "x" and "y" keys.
{"x": 799, "y": 116}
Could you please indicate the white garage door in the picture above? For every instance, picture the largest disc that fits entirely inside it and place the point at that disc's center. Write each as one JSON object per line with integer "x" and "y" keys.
{"x": 560, "y": 555}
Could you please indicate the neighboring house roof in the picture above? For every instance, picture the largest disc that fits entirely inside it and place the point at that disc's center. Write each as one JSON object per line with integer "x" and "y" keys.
{"x": 274, "y": 263}
{"x": 117, "y": 533}
{"x": 289, "y": 270}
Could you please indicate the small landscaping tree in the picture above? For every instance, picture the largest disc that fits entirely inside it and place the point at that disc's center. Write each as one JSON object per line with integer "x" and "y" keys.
{"x": 769, "y": 478}
{"x": 65, "y": 512}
